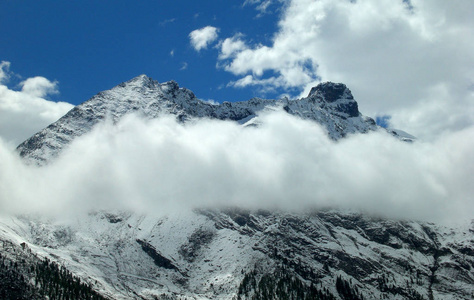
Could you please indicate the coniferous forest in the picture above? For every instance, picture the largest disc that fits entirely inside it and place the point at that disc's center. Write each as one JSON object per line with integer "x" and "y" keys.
{"x": 24, "y": 275}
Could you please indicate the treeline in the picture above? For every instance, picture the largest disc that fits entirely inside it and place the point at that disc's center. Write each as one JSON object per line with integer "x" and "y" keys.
{"x": 285, "y": 284}
{"x": 25, "y": 276}
{"x": 279, "y": 285}
{"x": 387, "y": 287}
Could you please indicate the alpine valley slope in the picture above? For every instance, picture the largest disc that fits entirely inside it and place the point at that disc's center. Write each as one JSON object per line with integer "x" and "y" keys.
{"x": 241, "y": 254}
{"x": 231, "y": 253}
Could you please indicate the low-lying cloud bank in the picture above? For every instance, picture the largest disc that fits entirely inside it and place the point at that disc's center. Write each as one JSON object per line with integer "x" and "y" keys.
{"x": 158, "y": 165}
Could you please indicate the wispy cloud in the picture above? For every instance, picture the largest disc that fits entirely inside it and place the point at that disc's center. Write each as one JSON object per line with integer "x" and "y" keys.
{"x": 184, "y": 66}
{"x": 4, "y": 69}
{"x": 260, "y": 5}
{"x": 167, "y": 21}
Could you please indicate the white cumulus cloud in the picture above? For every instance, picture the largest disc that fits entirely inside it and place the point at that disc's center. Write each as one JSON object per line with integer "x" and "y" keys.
{"x": 411, "y": 60}
{"x": 39, "y": 87}
{"x": 201, "y": 38}
{"x": 231, "y": 46}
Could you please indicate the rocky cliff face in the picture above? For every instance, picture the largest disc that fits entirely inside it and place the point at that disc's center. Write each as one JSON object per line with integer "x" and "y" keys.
{"x": 329, "y": 104}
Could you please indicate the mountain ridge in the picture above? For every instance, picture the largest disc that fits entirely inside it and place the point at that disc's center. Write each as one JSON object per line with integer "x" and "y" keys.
{"x": 329, "y": 104}
{"x": 235, "y": 252}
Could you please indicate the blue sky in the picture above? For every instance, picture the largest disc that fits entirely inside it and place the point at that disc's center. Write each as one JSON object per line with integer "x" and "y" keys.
{"x": 409, "y": 63}
{"x": 89, "y": 46}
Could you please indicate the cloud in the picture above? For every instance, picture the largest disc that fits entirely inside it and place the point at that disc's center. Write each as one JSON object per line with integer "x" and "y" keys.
{"x": 24, "y": 112}
{"x": 394, "y": 55}
{"x": 184, "y": 66}
{"x": 210, "y": 101}
{"x": 264, "y": 86}
{"x": 4, "y": 67}
{"x": 201, "y": 38}
{"x": 167, "y": 21}
{"x": 245, "y": 81}
{"x": 158, "y": 165}
{"x": 231, "y": 46}
{"x": 39, "y": 87}
{"x": 260, "y": 5}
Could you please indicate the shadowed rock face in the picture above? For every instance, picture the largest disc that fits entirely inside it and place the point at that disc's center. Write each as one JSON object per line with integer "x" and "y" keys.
{"x": 158, "y": 259}
{"x": 331, "y": 92}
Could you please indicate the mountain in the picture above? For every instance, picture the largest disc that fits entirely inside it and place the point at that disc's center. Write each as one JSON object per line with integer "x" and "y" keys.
{"x": 243, "y": 254}
{"x": 226, "y": 253}
{"x": 330, "y": 104}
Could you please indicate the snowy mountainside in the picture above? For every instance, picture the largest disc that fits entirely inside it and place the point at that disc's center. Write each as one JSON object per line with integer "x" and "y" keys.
{"x": 330, "y": 104}
{"x": 236, "y": 253}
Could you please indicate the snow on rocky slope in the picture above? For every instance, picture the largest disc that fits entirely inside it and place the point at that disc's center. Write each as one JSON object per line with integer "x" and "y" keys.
{"x": 236, "y": 253}
{"x": 330, "y": 104}
{"x": 211, "y": 254}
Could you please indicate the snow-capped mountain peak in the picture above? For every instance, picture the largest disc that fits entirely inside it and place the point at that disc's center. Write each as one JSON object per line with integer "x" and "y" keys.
{"x": 329, "y": 104}
{"x": 233, "y": 253}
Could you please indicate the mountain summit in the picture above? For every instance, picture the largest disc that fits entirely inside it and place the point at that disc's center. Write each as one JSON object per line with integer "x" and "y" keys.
{"x": 329, "y": 104}
{"x": 221, "y": 253}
